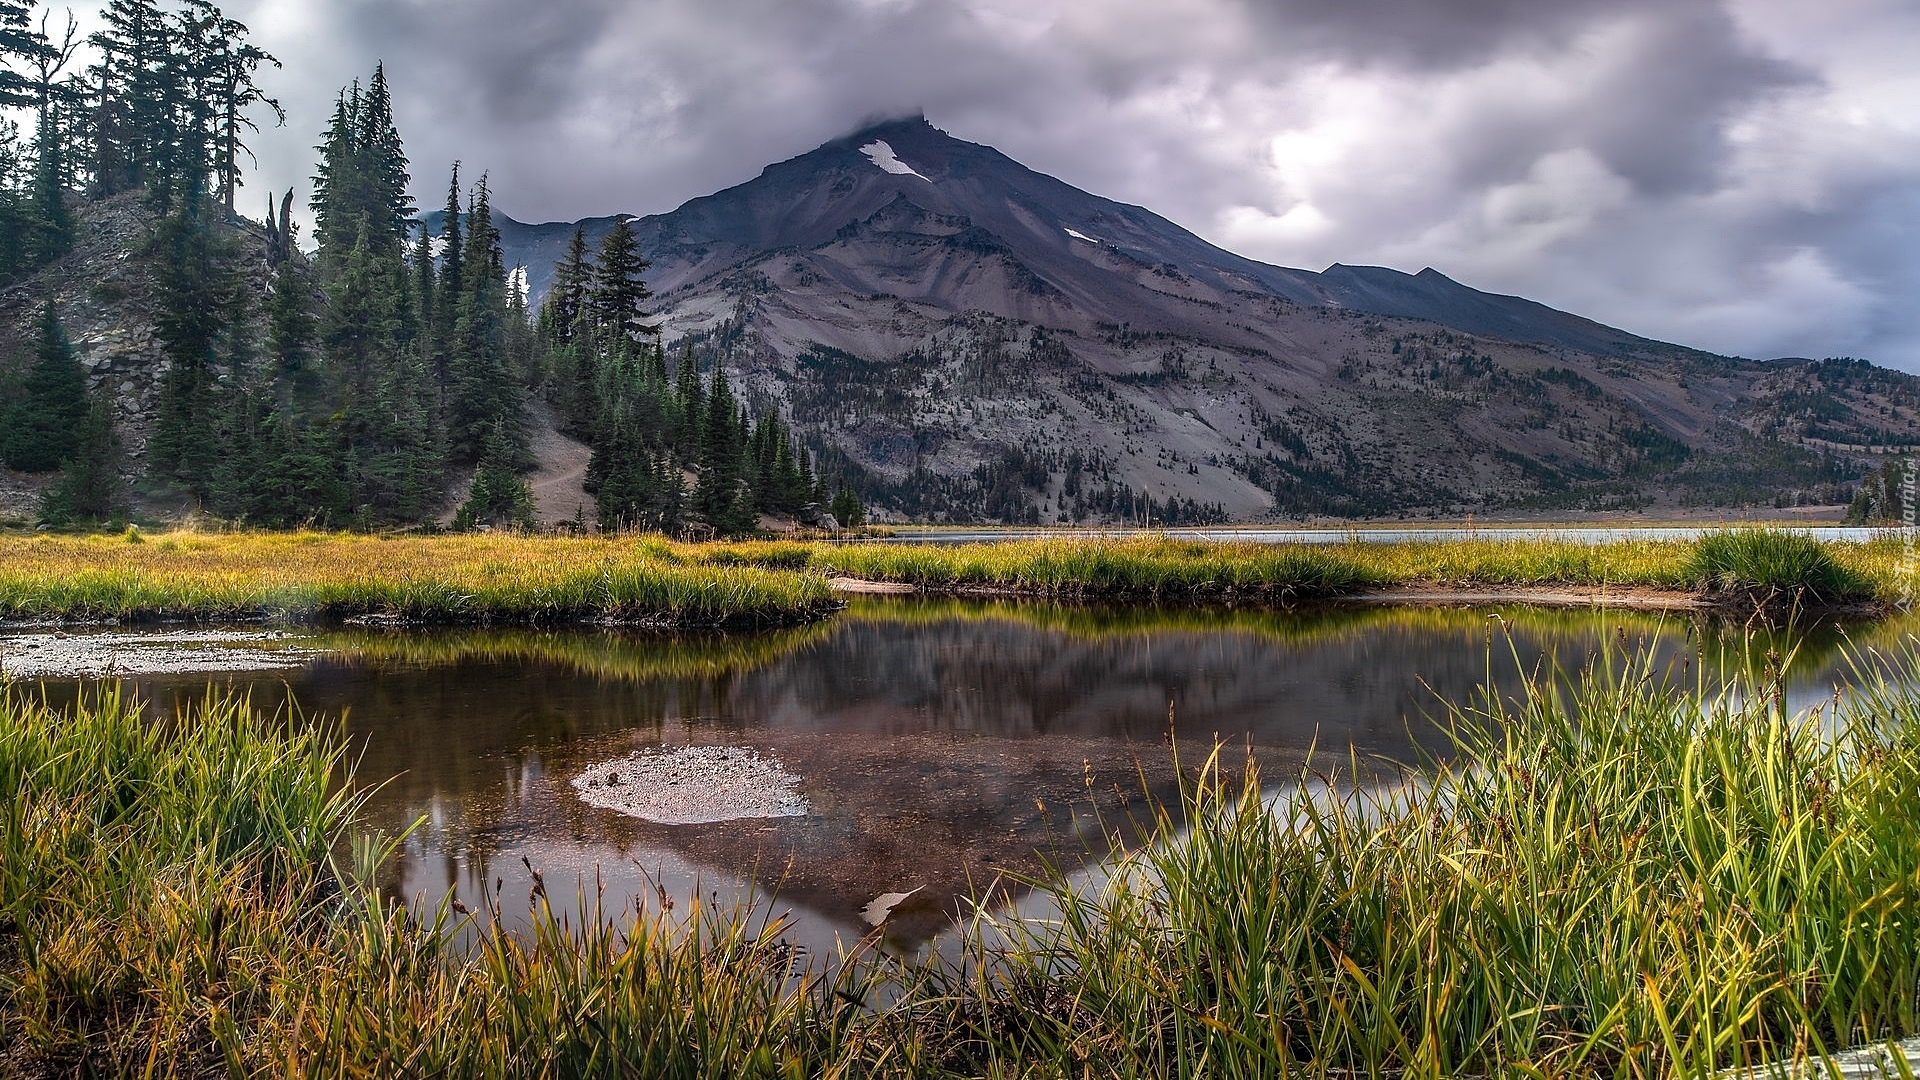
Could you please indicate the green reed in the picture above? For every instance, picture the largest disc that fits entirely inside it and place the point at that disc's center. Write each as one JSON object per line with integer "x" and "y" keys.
{"x": 1629, "y": 870}
{"x": 1624, "y": 873}
{"x": 1773, "y": 568}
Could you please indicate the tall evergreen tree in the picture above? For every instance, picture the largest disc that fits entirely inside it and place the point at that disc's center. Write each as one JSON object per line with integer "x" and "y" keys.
{"x": 135, "y": 96}
{"x": 619, "y": 296}
{"x": 23, "y": 45}
{"x": 362, "y": 177}
{"x": 41, "y": 429}
{"x": 389, "y": 208}
{"x": 720, "y": 499}
{"x": 197, "y": 298}
{"x": 89, "y": 491}
{"x": 567, "y": 298}
{"x": 230, "y": 66}
{"x": 690, "y": 408}
{"x": 483, "y": 397}
{"x": 51, "y": 221}
{"x": 452, "y": 280}
{"x": 498, "y": 495}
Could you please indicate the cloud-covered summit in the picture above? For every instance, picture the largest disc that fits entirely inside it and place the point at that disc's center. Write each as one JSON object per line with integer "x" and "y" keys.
{"x": 1739, "y": 175}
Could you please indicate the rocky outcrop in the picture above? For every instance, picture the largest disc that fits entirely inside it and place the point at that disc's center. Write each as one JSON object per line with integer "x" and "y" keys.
{"x": 103, "y": 290}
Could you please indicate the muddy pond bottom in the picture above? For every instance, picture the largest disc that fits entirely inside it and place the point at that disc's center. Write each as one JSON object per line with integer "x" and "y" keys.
{"x": 910, "y": 746}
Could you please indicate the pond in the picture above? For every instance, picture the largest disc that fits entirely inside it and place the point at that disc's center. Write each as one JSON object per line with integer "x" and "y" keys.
{"x": 939, "y": 744}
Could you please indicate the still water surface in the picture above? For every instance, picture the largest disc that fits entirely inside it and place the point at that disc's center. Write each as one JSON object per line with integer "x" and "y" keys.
{"x": 939, "y": 742}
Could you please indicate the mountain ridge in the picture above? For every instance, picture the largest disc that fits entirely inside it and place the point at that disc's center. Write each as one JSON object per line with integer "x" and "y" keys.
{"x": 1429, "y": 295}
{"x": 963, "y": 338}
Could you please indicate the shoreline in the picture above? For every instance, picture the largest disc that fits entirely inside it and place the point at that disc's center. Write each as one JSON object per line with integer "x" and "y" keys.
{"x": 1407, "y": 594}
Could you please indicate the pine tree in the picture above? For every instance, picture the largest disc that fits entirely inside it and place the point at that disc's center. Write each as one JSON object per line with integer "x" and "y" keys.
{"x": 51, "y": 223}
{"x": 41, "y": 430}
{"x": 135, "y": 94}
{"x": 425, "y": 295}
{"x": 16, "y": 228}
{"x": 389, "y": 208}
{"x": 847, "y": 509}
{"x": 197, "y": 296}
{"x": 498, "y": 495}
{"x": 362, "y": 177}
{"x": 568, "y": 341}
{"x": 336, "y": 182}
{"x": 19, "y": 41}
{"x": 452, "y": 271}
{"x": 483, "y": 392}
{"x": 231, "y": 64}
{"x": 89, "y": 490}
{"x": 567, "y": 299}
{"x": 618, "y": 298}
{"x": 719, "y": 499}
{"x": 690, "y": 407}
{"x": 290, "y": 322}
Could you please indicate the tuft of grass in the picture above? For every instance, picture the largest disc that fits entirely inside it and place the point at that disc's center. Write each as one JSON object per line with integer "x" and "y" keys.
{"x": 152, "y": 874}
{"x": 1772, "y": 568}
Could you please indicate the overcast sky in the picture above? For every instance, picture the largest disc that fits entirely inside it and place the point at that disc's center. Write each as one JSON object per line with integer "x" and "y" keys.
{"x": 1738, "y": 175}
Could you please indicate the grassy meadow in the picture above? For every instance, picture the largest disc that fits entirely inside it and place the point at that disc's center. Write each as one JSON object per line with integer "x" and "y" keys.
{"x": 1623, "y": 872}
{"x": 506, "y": 579}
{"x": 472, "y": 578}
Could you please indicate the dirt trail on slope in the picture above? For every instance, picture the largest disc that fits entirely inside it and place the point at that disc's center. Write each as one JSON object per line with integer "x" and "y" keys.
{"x": 560, "y": 471}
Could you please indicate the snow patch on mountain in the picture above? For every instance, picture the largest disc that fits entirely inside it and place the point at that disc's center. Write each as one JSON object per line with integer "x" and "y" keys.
{"x": 882, "y": 155}
{"x": 1078, "y": 235}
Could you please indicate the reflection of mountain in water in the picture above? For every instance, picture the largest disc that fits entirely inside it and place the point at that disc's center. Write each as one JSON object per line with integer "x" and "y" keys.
{"x": 938, "y": 740}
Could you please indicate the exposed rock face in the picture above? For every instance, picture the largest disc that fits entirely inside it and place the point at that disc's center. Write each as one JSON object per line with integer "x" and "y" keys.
{"x": 813, "y": 517}
{"x": 103, "y": 291}
{"x": 994, "y": 343}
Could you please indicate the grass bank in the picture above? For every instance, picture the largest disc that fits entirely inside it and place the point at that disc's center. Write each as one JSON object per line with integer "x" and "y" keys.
{"x": 510, "y": 580}
{"x": 490, "y": 579}
{"x": 1738, "y": 568}
{"x": 1627, "y": 875}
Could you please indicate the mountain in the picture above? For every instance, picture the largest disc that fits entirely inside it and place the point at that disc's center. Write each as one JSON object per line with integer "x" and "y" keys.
{"x": 970, "y": 339}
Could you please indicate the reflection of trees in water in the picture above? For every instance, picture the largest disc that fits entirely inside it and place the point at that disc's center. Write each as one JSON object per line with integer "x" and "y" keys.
{"x": 927, "y": 729}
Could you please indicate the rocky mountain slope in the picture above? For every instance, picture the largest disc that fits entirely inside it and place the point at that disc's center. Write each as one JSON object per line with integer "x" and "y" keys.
{"x": 986, "y": 342}
{"x": 965, "y": 339}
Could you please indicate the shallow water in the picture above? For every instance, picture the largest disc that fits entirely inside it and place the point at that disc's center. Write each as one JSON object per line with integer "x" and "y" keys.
{"x": 1576, "y": 534}
{"x": 939, "y": 743}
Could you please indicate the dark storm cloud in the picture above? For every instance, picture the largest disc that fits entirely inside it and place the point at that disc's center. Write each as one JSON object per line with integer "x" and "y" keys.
{"x": 1642, "y": 161}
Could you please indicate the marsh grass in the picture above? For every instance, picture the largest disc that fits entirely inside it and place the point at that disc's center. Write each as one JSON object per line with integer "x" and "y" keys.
{"x": 1721, "y": 566}
{"x": 151, "y": 874}
{"x": 1624, "y": 871}
{"x": 1149, "y": 568}
{"x": 1769, "y": 568}
{"x": 1622, "y": 874}
{"x": 499, "y": 579}
{"x": 426, "y": 580}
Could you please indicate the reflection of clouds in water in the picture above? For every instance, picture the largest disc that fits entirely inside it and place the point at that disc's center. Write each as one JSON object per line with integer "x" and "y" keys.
{"x": 581, "y": 879}
{"x": 925, "y": 728}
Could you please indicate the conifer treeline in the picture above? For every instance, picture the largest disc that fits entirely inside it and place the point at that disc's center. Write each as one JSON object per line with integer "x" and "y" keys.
{"x": 388, "y": 367}
{"x": 378, "y": 374}
{"x": 651, "y": 427}
{"x": 168, "y": 103}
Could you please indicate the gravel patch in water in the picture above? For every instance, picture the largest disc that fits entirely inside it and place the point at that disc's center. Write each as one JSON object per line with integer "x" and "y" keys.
{"x": 91, "y": 656}
{"x": 694, "y": 785}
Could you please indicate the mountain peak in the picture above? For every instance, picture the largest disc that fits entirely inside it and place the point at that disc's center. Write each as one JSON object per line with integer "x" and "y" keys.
{"x": 879, "y": 127}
